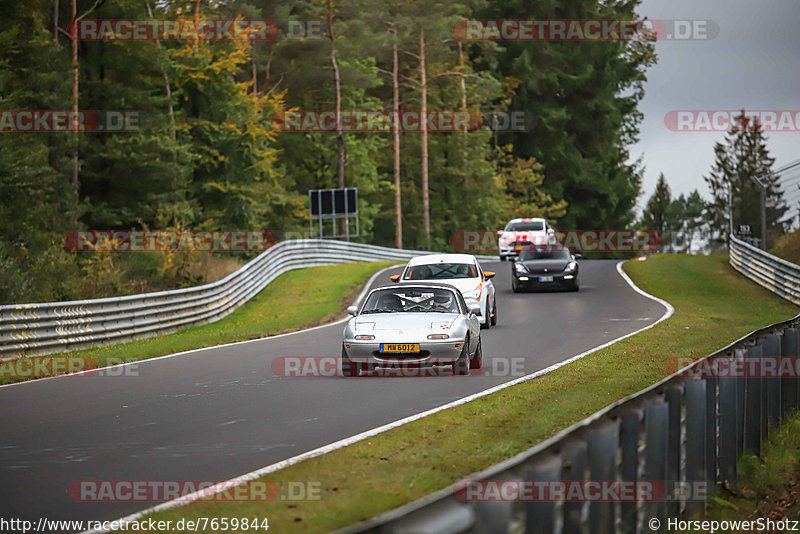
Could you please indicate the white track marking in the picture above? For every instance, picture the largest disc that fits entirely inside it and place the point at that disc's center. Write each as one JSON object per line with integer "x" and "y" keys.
{"x": 186, "y": 499}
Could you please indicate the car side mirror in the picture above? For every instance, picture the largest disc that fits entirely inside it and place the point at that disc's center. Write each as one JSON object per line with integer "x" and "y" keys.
{"x": 474, "y": 308}
{"x": 488, "y": 274}
{"x": 395, "y": 278}
{"x": 500, "y": 233}
{"x": 577, "y": 256}
{"x": 352, "y": 310}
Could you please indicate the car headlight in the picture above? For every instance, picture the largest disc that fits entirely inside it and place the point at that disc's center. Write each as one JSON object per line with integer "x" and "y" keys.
{"x": 520, "y": 268}
{"x": 571, "y": 266}
{"x": 506, "y": 239}
{"x": 474, "y": 294}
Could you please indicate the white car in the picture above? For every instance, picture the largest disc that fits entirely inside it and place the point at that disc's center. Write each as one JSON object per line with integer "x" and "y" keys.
{"x": 520, "y": 233}
{"x": 461, "y": 271}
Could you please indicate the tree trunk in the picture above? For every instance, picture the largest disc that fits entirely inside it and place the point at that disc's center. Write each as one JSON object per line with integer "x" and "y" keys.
{"x": 339, "y": 133}
{"x": 167, "y": 87}
{"x": 398, "y": 206}
{"x": 74, "y": 38}
{"x": 463, "y": 108}
{"x": 426, "y": 211}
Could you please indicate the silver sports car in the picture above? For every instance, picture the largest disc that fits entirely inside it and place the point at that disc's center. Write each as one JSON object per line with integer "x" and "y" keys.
{"x": 412, "y": 325}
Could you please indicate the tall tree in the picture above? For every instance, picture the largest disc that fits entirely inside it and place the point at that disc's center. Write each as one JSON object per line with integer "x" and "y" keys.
{"x": 741, "y": 157}
{"x": 585, "y": 96}
{"x": 654, "y": 216}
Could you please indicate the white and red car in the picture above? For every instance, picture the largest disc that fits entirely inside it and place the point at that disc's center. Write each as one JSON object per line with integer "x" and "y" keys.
{"x": 519, "y": 233}
{"x": 463, "y": 272}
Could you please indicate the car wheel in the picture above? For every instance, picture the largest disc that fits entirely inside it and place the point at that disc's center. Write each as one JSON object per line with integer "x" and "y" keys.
{"x": 514, "y": 284}
{"x": 462, "y": 364}
{"x": 494, "y": 311}
{"x": 349, "y": 368}
{"x": 476, "y": 362}
{"x": 488, "y": 324}
{"x": 502, "y": 258}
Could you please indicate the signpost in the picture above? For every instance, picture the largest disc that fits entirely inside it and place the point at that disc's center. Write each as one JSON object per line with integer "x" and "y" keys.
{"x": 333, "y": 205}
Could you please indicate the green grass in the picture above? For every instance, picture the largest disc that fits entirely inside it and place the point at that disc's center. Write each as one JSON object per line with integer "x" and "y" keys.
{"x": 768, "y": 486}
{"x": 714, "y": 306}
{"x": 297, "y": 299}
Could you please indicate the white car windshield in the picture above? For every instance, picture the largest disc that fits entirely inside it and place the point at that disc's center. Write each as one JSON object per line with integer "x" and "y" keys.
{"x": 441, "y": 271}
{"x": 397, "y": 300}
{"x": 529, "y": 226}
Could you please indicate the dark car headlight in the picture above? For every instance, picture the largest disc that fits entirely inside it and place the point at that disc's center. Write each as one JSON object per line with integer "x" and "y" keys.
{"x": 520, "y": 268}
{"x": 571, "y": 266}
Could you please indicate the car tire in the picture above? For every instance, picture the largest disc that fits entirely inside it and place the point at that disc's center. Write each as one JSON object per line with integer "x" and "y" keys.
{"x": 476, "y": 362}
{"x": 488, "y": 324}
{"x": 349, "y": 368}
{"x": 494, "y": 311}
{"x": 502, "y": 258}
{"x": 514, "y": 284}
{"x": 462, "y": 364}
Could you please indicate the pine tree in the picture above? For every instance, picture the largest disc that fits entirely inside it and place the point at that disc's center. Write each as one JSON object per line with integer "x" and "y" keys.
{"x": 655, "y": 213}
{"x": 742, "y": 157}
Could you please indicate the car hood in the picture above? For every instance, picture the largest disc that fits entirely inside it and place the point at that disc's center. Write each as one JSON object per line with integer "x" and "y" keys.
{"x": 462, "y": 284}
{"x": 404, "y": 321}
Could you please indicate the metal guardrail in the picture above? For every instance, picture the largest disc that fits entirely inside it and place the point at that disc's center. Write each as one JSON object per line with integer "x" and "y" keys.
{"x": 45, "y": 328}
{"x": 687, "y": 429}
{"x": 779, "y": 276}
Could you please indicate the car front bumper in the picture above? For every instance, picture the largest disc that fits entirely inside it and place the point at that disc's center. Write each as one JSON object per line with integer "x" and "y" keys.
{"x": 440, "y": 352}
{"x": 560, "y": 280}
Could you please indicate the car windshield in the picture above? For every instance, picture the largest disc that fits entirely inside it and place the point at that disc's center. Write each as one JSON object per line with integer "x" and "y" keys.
{"x": 529, "y": 226}
{"x": 441, "y": 271}
{"x": 397, "y": 300}
{"x": 544, "y": 254}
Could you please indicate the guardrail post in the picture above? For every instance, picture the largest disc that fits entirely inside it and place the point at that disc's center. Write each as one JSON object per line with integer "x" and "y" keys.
{"x": 772, "y": 351}
{"x": 573, "y": 468}
{"x": 673, "y": 397}
{"x": 656, "y": 427}
{"x": 789, "y": 384}
{"x": 491, "y": 517}
{"x": 711, "y": 434}
{"x": 695, "y": 391}
{"x": 540, "y": 516}
{"x": 602, "y": 446}
{"x": 728, "y": 424}
{"x": 741, "y": 386}
{"x": 753, "y": 404}
{"x": 629, "y": 465}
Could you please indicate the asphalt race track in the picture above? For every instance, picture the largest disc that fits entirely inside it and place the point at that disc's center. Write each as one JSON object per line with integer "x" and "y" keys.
{"x": 221, "y": 412}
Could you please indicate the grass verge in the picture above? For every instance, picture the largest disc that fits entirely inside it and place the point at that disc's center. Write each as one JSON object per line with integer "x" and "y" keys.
{"x": 768, "y": 486}
{"x": 714, "y": 306}
{"x": 297, "y": 299}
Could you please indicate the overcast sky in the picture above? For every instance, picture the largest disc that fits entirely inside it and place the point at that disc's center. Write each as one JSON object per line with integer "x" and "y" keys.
{"x": 753, "y": 63}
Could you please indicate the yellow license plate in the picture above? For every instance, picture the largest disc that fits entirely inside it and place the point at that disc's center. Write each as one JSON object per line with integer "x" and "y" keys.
{"x": 399, "y": 347}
